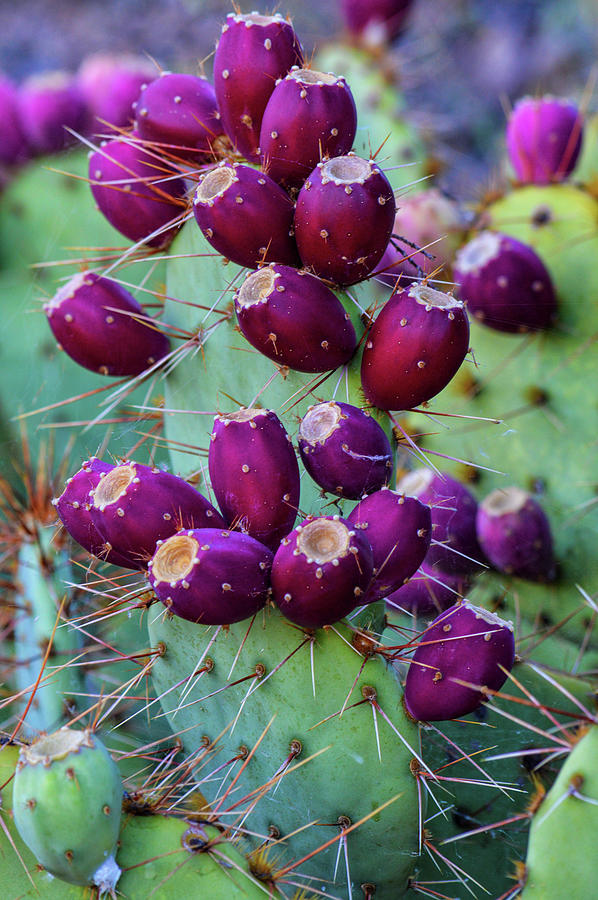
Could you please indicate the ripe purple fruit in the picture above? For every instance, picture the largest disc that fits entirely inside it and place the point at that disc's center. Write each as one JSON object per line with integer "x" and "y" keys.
{"x": 455, "y": 547}
{"x": 344, "y": 218}
{"x": 13, "y": 143}
{"x": 544, "y": 139}
{"x": 253, "y": 51}
{"x": 465, "y": 643}
{"x": 321, "y": 571}
{"x": 137, "y": 191}
{"x": 211, "y": 576}
{"x": 310, "y": 116}
{"x": 345, "y": 450}
{"x": 180, "y": 113}
{"x": 110, "y": 84}
{"x": 73, "y": 508}
{"x": 399, "y": 530}
{"x": 505, "y": 284}
{"x": 246, "y": 216}
{"x": 375, "y": 21}
{"x": 414, "y": 348}
{"x": 101, "y": 326}
{"x": 134, "y": 506}
{"x": 48, "y": 105}
{"x": 294, "y": 319}
{"x": 430, "y": 591}
{"x": 254, "y": 473}
{"x": 514, "y": 533}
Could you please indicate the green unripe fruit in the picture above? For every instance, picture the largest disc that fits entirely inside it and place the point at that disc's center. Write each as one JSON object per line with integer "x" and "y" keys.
{"x": 67, "y": 806}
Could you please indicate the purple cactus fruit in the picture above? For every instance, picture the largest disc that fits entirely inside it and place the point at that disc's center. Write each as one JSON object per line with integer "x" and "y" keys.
{"x": 254, "y": 474}
{"x": 514, "y": 533}
{"x": 455, "y": 547}
{"x": 48, "y": 105}
{"x": 399, "y": 530}
{"x": 344, "y": 449}
{"x": 294, "y": 319}
{"x": 428, "y": 220}
{"x": 110, "y": 84}
{"x": 430, "y": 591}
{"x": 102, "y": 327}
{"x": 246, "y": 216}
{"x": 544, "y": 139}
{"x": 139, "y": 193}
{"x": 310, "y": 116}
{"x": 344, "y": 218}
{"x": 463, "y": 644}
{"x": 180, "y": 112}
{"x": 210, "y": 576}
{"x": 252, "y": 53}
{"x": 73, "y": 508}
{"x": 414, "y": 348}
{"x": 134, "y": 506}
{"x": 505, "y": 284}
{"x": 13, "y": 143}
{"x": 321, "y": 571}
{"x": 375, "y": 21}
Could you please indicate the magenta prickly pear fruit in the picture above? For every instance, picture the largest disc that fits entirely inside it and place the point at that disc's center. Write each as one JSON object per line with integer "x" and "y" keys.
{"x": 134, "y": 506}
{"x": 136, "y": 191}
{"x": 426, "y": 218}
{"x": 181, "y": 113}
{"x": 252, "y": 53}
{"x": 13, "y": 143}
{"x": 344, "y": 218}
{"x": 505, "y": 284}
{"x": 375, "y": 21}
{"x": 211, "y": 576}
{"x": 398, "y": 529}
{"x": 246, "y": 216}
{"x": 514, "y": 533}
{"x": 310, "y": 116}
{"x": 48, "y": 105}
{"x": 463, "y": 644}
{"x": 321, "y": 571}
{"x": 110, "y": 84}
{"x": 428, "y": 593}
{"x": 254, "y": 474}
{"x": 345, "y": 450}
{"x": 414, "y": 348}
{"x": 544, "y": 139}
{"x": 100, "y": 325}
{"x": 73, "y": 508}
{"x": 294, "y": 319}
{"x": 455, "y": 547}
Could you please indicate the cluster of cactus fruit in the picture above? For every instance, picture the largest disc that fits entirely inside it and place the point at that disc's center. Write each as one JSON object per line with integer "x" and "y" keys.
{"x": 301, "y": 666}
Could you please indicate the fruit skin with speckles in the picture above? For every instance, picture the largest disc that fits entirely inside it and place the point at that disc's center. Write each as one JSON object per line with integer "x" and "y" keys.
{"x": 134, "y": 506}
{"x": 254, "y": 474}
{"x": 505, "y": 284}
{"x": 211, "y": 576}
{"x": 466, "y": 643}
{"x": 345, "y": 450}
{"x": 252, "y": 52}
{"x": 294, "y": 319}
{"x": 414, "y": 348}
{"x": 321, "y": 571}
{"x": 101, "y": 326}
{"x": 429, "y": 592}
{"x": 246, "y": 216}
{"x": 136, "y": 191}
{"x": 544, "y": 138}
{"x": 180, "y": 114}
{"x": 110, "y": 84}
{"x": 344, "y": 218}
{"x": 456, "y": 549}
{"x": 310, "y": 116}
{"x": 399, "y": 530}
{"x": 514, "y": 532}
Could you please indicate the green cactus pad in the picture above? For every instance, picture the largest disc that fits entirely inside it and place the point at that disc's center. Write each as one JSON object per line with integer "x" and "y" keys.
{"x": 265, "y": 699}
{"x": 67, "y": 803}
